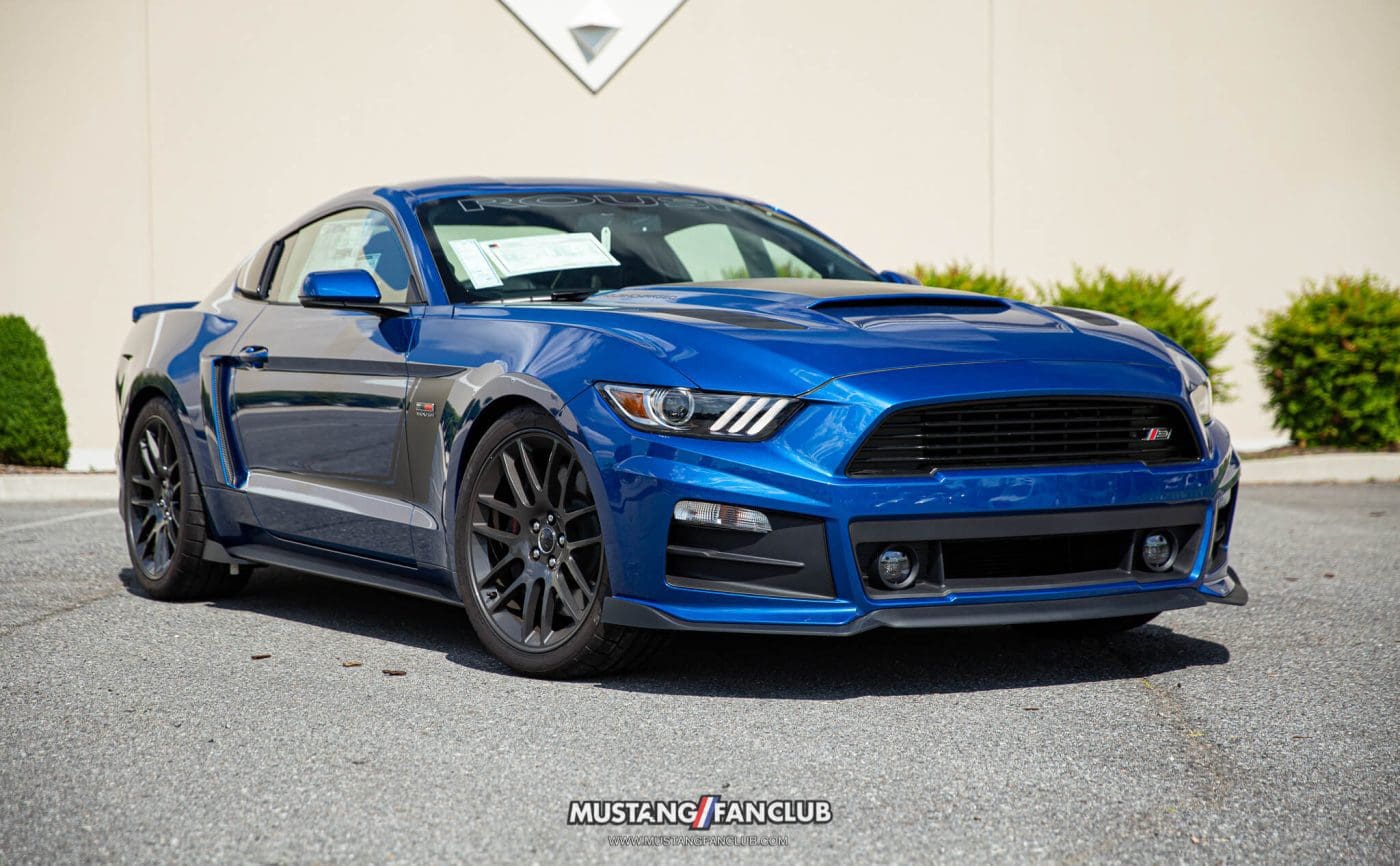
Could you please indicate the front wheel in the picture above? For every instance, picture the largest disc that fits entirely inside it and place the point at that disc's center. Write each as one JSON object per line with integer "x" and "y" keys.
{"x": 530, "y": 561}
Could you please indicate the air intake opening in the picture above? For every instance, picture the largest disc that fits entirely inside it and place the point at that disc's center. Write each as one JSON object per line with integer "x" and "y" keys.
{"x": 912, "y": 304}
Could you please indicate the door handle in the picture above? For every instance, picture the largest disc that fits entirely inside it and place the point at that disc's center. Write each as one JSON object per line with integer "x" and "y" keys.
{"x": 252, "y": 356}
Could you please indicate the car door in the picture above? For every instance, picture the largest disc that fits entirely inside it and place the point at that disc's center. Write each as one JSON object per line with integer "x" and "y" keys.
{"x": 318, "y": 396}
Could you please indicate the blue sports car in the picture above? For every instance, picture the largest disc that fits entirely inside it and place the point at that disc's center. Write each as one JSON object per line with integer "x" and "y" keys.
{"x": 593, "y": 412}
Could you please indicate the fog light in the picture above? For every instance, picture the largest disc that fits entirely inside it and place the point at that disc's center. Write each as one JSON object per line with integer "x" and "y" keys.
{"x": 896, "y": 568}
{"x": 721, "y": 516}
{"x": 1158, "y": 550}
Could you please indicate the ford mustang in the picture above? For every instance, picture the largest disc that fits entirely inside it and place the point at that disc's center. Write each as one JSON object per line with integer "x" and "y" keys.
{"x": 591, "y": 413}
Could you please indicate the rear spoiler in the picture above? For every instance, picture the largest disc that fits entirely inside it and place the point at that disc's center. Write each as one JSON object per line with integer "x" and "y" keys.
{"x": 145, "y": 309}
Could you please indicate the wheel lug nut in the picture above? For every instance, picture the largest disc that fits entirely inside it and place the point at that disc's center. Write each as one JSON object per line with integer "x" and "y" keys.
{"x": 535, "y": 525}
{"x": 551, "y": 519}
{"x": 553, "y": 562}
{"x": 534, "y": 553}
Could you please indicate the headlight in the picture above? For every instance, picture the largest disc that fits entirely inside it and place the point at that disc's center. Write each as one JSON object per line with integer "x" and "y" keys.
{"x": 700, "y": 413}
{"x": 1196, "y": 379}
{"x": 1201, "y": 401}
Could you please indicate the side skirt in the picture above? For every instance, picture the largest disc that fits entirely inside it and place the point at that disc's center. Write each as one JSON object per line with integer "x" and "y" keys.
{"x": 363, "y": 574}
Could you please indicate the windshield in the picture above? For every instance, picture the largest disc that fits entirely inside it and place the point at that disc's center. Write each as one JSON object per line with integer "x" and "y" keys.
{"x": 494, "y": 247}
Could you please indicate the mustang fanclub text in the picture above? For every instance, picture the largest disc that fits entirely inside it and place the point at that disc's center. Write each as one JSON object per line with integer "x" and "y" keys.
{"x": 698, "y": 814}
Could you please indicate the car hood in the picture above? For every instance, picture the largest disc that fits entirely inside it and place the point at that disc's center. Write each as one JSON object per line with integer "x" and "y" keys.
{"x": 789, "y": 336}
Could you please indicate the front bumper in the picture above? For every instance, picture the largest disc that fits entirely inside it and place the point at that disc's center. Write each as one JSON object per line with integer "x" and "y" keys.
{"x": 621, "y": 611}
{"x": 794, "y": 474}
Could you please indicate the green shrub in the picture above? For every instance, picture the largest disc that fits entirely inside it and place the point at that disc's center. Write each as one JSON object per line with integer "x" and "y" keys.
{"x": 33, "y": 427}
{"x": 1154, "y": 301}
{"x": 1331, "y": 363}
{"x": 964, "y": 277}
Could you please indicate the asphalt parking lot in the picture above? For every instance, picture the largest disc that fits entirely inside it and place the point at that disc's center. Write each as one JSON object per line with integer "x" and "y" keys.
{"x": 142, "y": 732}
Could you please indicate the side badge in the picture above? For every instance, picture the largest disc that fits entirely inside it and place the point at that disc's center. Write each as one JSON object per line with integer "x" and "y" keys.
{"x": 425, "y": 410}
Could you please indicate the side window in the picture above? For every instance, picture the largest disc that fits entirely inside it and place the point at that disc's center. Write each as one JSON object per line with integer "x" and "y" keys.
{"x": 359, "y": 239}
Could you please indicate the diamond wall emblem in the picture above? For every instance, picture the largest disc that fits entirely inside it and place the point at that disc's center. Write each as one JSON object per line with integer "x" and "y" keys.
{"x": 593, "y": 38}
{"x": 593, "y": 26}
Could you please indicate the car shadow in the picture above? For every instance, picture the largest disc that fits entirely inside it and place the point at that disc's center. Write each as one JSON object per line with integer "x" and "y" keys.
{"x": 354, "y": 609}
{"x": 889, "y": 662}
{"x": 877, "y": 663}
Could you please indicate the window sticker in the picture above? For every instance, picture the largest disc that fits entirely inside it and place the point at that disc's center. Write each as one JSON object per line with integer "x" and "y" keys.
{"x": 475, "y": 263}
{"x": 338, "y": 245}
{"x": 557, "y": 252}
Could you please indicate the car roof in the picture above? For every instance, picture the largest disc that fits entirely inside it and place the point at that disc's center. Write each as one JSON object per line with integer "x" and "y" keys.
{"x": 414, "y": 193}
{"x": 427, "y": 190}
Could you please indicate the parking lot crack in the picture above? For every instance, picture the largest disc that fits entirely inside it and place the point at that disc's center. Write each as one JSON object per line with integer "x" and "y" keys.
{"x": 1208, "y": 763}
{"x": 6, "y": 631}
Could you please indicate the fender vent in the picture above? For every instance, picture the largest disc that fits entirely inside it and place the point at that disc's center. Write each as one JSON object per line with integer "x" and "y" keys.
{"x": 220, "y": 387}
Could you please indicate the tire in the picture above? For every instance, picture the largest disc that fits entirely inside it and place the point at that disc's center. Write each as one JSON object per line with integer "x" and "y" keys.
{"x": 1090, "y": 627}
{"x": 163, "y": 512}
{"x": 530, "y": 561}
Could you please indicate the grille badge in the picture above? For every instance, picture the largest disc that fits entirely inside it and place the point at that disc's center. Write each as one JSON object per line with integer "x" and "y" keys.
{"x": 1157, "y": 434}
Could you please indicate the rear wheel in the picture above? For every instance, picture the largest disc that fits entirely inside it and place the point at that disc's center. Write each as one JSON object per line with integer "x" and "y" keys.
{"x": 1090, "y": 627}
{"x": 531, "y": 566}
{"x": 164, "y": 512}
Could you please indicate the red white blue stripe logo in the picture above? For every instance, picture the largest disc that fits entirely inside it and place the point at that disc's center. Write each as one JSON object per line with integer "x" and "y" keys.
{"x": 705, "y": 812}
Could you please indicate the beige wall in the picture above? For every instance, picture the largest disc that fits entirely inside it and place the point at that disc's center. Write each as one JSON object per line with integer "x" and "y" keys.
{"x": 146, "y": 146}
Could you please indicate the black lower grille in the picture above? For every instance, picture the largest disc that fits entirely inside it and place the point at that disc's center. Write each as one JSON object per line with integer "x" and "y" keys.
{"x": 1038, "y": 550}
{"x": 1026, "y": 432}
{"x": 1046, "y": 555}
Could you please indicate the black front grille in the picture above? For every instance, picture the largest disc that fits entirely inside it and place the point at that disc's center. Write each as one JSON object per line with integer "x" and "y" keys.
{"x": 1026, "y": 432}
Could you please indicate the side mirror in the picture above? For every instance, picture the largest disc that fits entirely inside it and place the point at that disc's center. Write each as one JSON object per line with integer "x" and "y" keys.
{"x": 344, "y": 290}
{"x": 897, "y": 277}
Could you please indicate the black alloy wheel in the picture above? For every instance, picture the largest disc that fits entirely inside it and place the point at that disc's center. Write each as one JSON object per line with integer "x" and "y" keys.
{"x": 163, "y": 509}
{"x": 536, "y": 544}
{"x": 531, "y": 565}
{"x": 154, "y": 493}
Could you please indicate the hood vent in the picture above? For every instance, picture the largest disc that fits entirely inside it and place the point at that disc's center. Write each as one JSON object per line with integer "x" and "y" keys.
{"x": 913, "y": 316}
{"x": 1084, "y": 316}
{"x": 911, "y": 305}
{"x": 719, "y": 316}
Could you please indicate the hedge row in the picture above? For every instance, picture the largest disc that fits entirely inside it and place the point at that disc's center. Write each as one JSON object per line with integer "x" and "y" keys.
{"x": 33, "y": 426}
